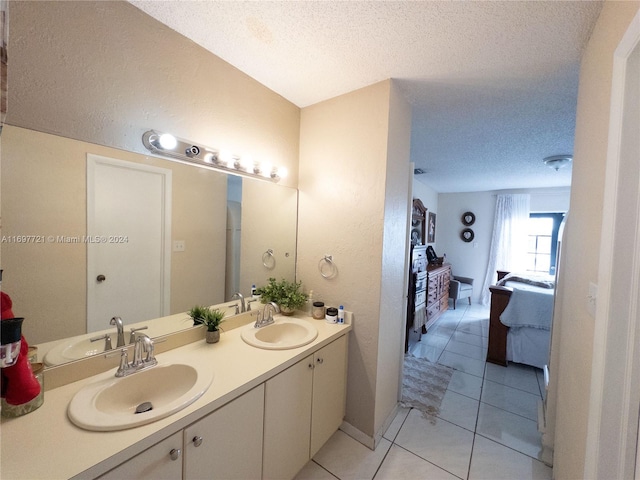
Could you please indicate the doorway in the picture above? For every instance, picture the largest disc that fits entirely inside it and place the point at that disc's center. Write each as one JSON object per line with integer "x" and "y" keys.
{"x": 128, "y": 241}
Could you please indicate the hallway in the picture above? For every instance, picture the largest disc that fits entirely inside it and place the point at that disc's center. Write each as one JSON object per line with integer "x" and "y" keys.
{"x": 486, "y": 427}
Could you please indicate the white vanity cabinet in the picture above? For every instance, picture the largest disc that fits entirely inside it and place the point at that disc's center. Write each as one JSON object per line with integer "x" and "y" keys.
{"x": 162, "y": 461}
{"x": 269, "y": 432}
{"x": 227, "y": 444}
{"x": 329, "y": 392}
{"x": 304, "y": 406}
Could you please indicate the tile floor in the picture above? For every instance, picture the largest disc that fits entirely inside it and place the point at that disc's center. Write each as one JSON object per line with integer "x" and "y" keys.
{"x": 486, "y": 428}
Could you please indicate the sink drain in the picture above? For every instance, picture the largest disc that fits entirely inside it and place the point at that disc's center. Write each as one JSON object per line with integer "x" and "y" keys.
{"x": 144, "y": 407}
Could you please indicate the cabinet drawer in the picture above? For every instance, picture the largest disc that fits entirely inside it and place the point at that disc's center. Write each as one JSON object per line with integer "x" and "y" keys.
{"x": 433, "y": 311}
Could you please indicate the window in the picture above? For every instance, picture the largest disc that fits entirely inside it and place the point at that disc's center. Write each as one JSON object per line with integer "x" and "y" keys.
{"x": 543, "y": 242}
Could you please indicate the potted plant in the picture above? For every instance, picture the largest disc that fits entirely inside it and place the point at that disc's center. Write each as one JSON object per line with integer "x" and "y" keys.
{"x": 285, "y": 294}
{"x": 209, "y": 318}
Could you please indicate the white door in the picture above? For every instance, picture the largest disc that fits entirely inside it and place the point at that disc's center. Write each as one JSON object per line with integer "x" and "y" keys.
{"x": 612, "y": 440}
{"x": 128, "y": 241}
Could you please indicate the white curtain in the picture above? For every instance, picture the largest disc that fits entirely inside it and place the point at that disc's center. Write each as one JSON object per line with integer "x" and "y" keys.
{"x": 509, "y": 240}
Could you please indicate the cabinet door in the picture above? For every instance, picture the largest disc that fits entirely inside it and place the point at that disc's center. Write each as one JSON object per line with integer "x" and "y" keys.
{"x": 287, "y": 421}
{"x": 227, "y": 444}
{"x": 162, "y": 461}
{"x": 329, "y": 392}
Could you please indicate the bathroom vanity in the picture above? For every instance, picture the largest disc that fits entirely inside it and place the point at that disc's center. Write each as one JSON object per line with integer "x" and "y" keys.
{"x": 266, "y": 413}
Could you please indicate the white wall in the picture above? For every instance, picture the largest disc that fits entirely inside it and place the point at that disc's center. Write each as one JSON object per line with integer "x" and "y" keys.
{"x": 106, "y": 72}
{"x": 573, "y": 334}
{"x": 348, "y": 197}
{"x": 471, "y": 259}
{"x": 394, "y": 260}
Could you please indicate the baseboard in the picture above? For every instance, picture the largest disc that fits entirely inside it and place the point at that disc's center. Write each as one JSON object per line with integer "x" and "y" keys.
{"x": 365, "y": 439}
{"x": 547, "y": 443}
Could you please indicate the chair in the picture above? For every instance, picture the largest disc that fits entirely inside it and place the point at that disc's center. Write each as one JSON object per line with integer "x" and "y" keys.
{"x": 460, "y": 287}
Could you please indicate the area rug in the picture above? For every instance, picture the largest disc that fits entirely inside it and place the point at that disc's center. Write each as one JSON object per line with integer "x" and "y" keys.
{"x": 424, "y": 384}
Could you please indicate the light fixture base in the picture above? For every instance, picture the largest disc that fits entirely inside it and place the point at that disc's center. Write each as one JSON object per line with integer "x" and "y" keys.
{"x": 558, "y": 161}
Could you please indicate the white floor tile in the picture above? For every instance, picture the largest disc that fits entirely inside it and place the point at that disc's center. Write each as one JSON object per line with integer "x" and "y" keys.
{"x": 511, "y": 399}
{"x": 470, "y": 338}
{"x": 449, "y": 319}
{"x": 313, "y": 471}
{"x": 438, "y": 341}
{"x": 476, "y": 326}
{"x": 438, "y": 441}
{"x": 510, "y": 430}
{"x": 466, "y": 349}
{"x": 462, "y": 363}
{"x": 459, "y": 410}
{"x": 465, "y": 384}
{"x": 348, "y": 459}
{"x": 492, "y": 461}
{"x": 403, "y": 465}
{"x": 441, "y": 331}
{"x": 396, "y": 424}
{"x": 426, "y": 351}
{"x": 514, "y": 375}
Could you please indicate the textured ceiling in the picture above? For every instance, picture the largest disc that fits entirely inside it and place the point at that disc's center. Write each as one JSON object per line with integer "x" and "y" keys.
{"x": 493, "y": 85}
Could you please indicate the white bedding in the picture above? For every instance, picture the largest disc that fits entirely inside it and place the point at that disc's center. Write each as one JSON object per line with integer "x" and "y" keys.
{"x": 529, "y": 315}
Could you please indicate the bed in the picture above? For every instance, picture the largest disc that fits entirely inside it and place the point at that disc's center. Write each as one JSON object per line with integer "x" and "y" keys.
{"x": 520, "y": 319}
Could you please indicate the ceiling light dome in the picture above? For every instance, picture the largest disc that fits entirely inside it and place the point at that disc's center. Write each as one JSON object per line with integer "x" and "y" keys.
{"x": 558, "y": 161}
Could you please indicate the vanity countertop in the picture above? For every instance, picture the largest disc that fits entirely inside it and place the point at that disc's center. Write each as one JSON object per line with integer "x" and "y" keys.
{"x": 45, "y": 444}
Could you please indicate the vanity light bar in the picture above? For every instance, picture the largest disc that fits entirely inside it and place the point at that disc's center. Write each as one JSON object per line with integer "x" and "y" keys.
{"x": 167, "y": 145}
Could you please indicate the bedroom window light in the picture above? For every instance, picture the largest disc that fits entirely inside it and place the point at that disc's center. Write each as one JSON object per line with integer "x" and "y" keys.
{"x": 543, "y": 240}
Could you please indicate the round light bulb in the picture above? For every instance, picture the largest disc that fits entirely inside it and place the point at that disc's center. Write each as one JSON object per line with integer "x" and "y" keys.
{"x": 168, "y": 141}
{"x": 226, "y": 157}
{"x": 266, "y": 169}
{"x": 282, "y": 172}
{"x": 247, "y": 163}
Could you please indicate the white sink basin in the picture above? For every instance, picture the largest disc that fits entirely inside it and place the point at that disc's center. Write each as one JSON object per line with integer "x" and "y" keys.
{"x": 75, "y": 349}
{"x": 285, "y": 333}
{"x": 111, "y": 404}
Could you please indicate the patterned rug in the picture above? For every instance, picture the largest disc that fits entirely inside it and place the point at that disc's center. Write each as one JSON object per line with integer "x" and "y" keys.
{"x": 424, "y": 384}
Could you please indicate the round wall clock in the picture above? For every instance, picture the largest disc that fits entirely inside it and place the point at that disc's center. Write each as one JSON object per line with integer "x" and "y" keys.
{"x": 467, "y": 235}
{"x": 468, "y": 219}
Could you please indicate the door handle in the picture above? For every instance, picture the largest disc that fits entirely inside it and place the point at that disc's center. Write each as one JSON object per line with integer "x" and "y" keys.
{"x": 101, "y": 278}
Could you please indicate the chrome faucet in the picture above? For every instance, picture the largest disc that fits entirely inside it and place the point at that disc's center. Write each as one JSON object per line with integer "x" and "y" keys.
{"x": 250, "y": 302}
{"x": 243, "y": 307}
{"x": 266, "y": 316}
{"x": 117, "y": 321}
{"x": 144, "y": 344}
{"x": 132, "y": 334}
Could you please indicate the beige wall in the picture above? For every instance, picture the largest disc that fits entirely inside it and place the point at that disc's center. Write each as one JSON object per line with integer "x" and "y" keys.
{"x": 105, "y": 72}
{"x": 573, "y": 331}
{"x": 43, "y": 193}
{"x": 394, "y": 260}
{"x": 344, "y": 165}
{"x": 269, "y": 215}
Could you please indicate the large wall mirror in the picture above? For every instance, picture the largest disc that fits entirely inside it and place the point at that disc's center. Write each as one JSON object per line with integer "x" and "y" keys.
{"x": 221, "y": 225}
{"x": 224, "y": 224}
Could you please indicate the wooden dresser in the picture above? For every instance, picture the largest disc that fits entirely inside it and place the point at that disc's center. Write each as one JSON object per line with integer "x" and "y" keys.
{"x": 428, "y": 292}
{"x": 438, "y": 277}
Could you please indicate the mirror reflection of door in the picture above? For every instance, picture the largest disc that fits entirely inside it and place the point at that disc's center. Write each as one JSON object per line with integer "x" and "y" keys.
{"x": 128, "y": 241}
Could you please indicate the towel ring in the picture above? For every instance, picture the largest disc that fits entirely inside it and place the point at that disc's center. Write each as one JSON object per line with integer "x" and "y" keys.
{"x": 329, "y": 272}
{"x": 268, "y": 260}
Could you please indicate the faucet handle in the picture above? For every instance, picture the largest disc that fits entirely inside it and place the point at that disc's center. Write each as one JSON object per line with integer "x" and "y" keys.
{"x": 107, "y": 341}
{"x": 124, "y": 362}
{"x": 132, "y": 335}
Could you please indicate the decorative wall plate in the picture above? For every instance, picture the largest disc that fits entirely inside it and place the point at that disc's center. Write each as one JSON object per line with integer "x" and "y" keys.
{"x": 467, "y": 235}
{"x": 468, "y": 219}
